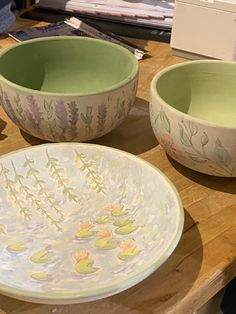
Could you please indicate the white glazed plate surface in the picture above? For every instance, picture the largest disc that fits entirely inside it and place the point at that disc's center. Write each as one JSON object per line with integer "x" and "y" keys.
{"x": 80, "y": 222}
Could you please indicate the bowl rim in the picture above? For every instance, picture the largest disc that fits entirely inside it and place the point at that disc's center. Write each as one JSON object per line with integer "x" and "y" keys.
{"x": 154, "y": 93}
{"x": 128, "y": 79}
{"x": 78, "y": 297}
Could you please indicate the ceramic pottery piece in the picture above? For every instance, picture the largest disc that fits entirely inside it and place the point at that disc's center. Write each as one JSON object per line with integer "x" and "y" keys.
{"x": 80, "y": 222}
{"x": 193, "y": 115}
{"x": 67, "y": 88}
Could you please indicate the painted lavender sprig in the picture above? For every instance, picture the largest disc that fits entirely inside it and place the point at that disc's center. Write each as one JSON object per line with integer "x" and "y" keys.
{"x": 9, "y": 109}
{"x": 35, "y": 203}
{"x": 34, "y": 114}
{"x": 10, "y": 187}
{"x": 120, "y": 109}
{"x": 73, "y": 118}
{"x": 33, "y": 172}
{"x": 96, "y": 182}
{"x": 102, "y": 114}
{"x": 51, "y": 122}
{"x": 57, "y": 174}
{"x": 61, "y": 115}
{"x": 19, "y": 108}
{"x": 87, "y": 119}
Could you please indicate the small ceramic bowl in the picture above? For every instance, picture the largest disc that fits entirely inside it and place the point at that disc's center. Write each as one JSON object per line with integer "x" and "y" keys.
{"x": 67, "y": 88}
{"x": 193, "y": 115}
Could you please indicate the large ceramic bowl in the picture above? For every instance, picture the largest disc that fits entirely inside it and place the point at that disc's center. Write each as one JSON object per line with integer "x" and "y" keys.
{"x": 193, "y": 115}
{"x": 80, "y": 222}
{"x": 67, "y": 88}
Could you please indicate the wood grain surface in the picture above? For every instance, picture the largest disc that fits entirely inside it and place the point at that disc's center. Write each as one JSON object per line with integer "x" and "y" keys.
{"x": 205, "y": 259}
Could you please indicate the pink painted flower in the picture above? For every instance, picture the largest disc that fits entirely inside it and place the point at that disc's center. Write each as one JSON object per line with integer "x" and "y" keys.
{"x": 80, "y": 255}
{"x": 168, "y": 144}
{"x": 85, "y": 224}
{"x": 126, "y": 244}
{"x": 109, "y": 207}
{"x": 105, "y": 233}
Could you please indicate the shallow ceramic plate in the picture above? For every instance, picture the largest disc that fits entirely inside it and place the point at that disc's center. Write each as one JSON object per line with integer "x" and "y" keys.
{"x": 80, "y": 222}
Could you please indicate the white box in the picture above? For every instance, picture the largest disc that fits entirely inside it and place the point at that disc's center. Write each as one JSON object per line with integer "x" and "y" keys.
{"x": 204, "y": 29}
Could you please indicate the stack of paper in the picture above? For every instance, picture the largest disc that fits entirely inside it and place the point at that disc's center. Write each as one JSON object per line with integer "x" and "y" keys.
{"x": 154, "y": 13}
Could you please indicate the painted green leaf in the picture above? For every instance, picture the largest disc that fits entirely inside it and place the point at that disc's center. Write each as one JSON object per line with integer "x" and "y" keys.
{"x": 60, "y": 184}
{"x": 165, "y": 121}
{"x": 29, "y": 196}
{"x": 197, "y": 158}
{"x": 28, "y": 162}
{"x": 119, "y": 211}
{"x": 100, "y": 190}
{"x": 85, "y": 266}
{"x": 126, "y": 229}
{"x": 40, "y": 276}
{"x": 123, "y": 221}
{"x": 106, "y": 243}
{"x": 82, "y": 168}
{"x": 185, "y": 140}
{"x": 30, "y": 173}
{"x": 204, "y": 139}
{"x": 193, "y": 128}
{"x": 4, "y": 171}
{"x": 128, "y": 253}
{"x": 42, "y": 191}
{"x": 103, "y": 219}
{"x": 73, "y": 197}
{"x": 84, "y": 119}
{"x": 85, "y": 233}
{"x": 221, "y": 154}
{"x": 24, "y": 188}
{"x": 38, "y": 181}
{"x": 16, "y": 247}
{"x": 48, "y": 107}
{"x": 42, "y": 256}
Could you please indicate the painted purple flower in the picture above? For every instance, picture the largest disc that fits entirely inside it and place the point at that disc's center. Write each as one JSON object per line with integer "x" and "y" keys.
{"x": 61, "y": 115}
{"x": 102, "y": 114}
{"x": 73, "y": 117}
{"x": 34, "y": 114}
{"x": 9, "y": 109}
{"x": 35, "y": 110}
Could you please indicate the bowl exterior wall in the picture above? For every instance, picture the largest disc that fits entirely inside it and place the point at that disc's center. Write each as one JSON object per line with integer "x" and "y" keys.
{"x": 67, "y": 118}
{"x": 197, "y": 145}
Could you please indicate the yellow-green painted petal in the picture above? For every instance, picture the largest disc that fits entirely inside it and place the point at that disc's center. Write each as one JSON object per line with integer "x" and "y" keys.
{"x": 16, "y": 247}
{"x": 126, "y": 229}
{"x": 41, "y": 256}
{"x": 85, "y": 266}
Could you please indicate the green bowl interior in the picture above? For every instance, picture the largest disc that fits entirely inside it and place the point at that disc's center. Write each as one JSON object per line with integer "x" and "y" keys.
{"x": 68, "y": 65}
{"x": 205, "y": 90}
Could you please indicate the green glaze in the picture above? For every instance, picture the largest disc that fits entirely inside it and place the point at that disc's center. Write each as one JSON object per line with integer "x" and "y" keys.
{"x": 68, "y": 65}
{"x": 204, "y": 90}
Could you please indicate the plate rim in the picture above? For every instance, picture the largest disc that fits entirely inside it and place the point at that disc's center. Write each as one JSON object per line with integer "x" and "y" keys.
{"x": 79, "y": 297}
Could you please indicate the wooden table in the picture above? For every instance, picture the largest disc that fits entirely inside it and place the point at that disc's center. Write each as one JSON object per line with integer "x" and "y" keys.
{"x": 205, "y": 259}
